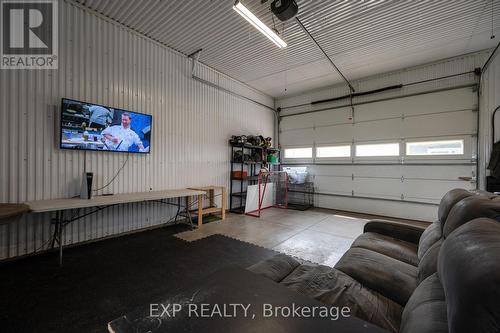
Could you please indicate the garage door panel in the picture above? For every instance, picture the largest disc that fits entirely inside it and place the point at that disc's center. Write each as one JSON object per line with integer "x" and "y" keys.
{"x": 384, "y": 171}
{"x": 377, "y": 187}
{"x": 332, "y": 184}
{"x": 438, "y": 171}
{"x": 377, "y": 130}
{"x": 334, "y": 134}
{"x": 431, "y": 189}
{"x": 330, "y": 117}
{"x": 451, "y": 100}
{"x": 440, "y": 124}
{"x": 297, "y": 138}
{"x": 401, "y": 209}
{"x": 296, "y": 122}
{"x": 336, "y": 170}
{"x": 444, "y": 115}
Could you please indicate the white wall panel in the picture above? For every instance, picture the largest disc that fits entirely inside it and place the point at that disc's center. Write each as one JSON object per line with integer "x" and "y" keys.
{"x": 103, "y": 62}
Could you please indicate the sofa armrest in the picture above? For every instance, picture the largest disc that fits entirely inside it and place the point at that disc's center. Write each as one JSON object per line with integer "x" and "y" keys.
{"x": 275, "y": 268}
{"x": 405, "y": 232}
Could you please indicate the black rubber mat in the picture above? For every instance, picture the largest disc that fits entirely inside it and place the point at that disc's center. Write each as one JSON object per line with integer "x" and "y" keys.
{"x": 103, "y": 280}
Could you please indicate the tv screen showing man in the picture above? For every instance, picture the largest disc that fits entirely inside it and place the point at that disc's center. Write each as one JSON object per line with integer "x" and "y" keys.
{"x": 87, "y": 126}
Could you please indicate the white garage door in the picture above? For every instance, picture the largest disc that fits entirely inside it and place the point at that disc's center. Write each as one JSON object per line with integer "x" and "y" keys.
{"x": 395, "y": 157}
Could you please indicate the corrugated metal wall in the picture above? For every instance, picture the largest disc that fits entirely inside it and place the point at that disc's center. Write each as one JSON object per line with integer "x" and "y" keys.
{"x": 103, "y": 62}
{"x": 421, "y": 184}
{"x": 488, "y": 102}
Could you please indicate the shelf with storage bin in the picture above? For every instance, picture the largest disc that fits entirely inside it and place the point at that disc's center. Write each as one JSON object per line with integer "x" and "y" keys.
{"x": 245, "y": 145}
{"x": 251, "y": 178}
{"x": 249, "y": 162}
{"x": 245, "y": 172}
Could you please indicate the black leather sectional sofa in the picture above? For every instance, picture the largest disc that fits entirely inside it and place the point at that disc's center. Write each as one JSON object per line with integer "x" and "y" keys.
{"x": 445, "y": 278}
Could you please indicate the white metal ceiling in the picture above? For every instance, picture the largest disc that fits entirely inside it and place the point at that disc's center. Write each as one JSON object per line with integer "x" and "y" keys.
{"x": 362, "y": 37}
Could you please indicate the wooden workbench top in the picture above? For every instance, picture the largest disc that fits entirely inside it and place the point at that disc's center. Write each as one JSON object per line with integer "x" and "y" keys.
{"x": 207, "y": 188}
{"x": 40, "y": 206}
{"x": 11, "y": 210}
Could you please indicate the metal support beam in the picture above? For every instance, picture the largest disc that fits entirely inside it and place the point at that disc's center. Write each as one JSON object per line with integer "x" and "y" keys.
{"x": 326, "y": 55}
{"x": 195, "y": 56}
{"x": 194, "y": 77}
{"x": 473, "y": 85}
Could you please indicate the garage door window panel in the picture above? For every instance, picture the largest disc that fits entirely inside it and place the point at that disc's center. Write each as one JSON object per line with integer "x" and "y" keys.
{"x": 298, "y": 153}
{"x": 333, "y": 152}
{"x": 378, "y": 150}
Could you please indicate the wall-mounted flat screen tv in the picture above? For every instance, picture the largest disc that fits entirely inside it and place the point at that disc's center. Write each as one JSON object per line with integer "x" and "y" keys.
{"x": 88, "y": 126}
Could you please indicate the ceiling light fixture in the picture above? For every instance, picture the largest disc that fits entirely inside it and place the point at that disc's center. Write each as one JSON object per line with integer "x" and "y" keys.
{"x": 258, "y": 24}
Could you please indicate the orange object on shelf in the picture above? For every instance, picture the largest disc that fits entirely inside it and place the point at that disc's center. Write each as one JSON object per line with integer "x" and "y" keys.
{"x": 240, "y": 175}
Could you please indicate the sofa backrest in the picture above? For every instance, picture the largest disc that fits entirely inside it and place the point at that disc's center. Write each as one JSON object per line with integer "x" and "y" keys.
{"x": 474, "y": 206}
{"x": 434, "y": 232}
{"x": 449, "y": 200}
{"x": 471, "y": 208}
{"x": 469, "y": 270}
{"x": 463, "y": 296}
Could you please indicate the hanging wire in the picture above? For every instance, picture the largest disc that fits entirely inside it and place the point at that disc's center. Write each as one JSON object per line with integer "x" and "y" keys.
{"x": 286, "y": 58}
{"x": 352, "y": 106}
{"x": 114, "y": 177}
{"x": 492, "y": 16}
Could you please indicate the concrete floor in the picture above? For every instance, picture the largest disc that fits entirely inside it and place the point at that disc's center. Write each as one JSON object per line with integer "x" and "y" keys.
{"x": 317, "y": 235}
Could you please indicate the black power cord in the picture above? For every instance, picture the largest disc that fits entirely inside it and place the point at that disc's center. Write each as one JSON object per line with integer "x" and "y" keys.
{"x": 116, "y": 175}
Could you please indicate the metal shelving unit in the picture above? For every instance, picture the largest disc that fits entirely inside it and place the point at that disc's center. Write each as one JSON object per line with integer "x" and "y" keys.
{"x": 238, "y": 186}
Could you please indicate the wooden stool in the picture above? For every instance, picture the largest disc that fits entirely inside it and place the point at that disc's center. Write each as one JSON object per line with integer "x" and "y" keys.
{"x": 211, "y": 195}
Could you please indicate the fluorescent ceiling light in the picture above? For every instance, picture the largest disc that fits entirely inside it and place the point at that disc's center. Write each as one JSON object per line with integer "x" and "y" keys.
{"x": 258, "y": 24}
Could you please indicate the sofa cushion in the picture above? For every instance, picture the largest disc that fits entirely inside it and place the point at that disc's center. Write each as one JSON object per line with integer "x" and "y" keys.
{"x": 275, "y": 268}
{"x": 331, "y": 286}
{"x": 403, "y": 231}
{"x": 450, "y": 199}
{"x": 428, "y": 264}
{"x": 426, "y": 308}
{"x": 434, "y": 232}
{"x": 469, "y": 270}
{"x": 390, "y": 277}
{"x": 431, "y": 235}
{"x": 390, "y": 246}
